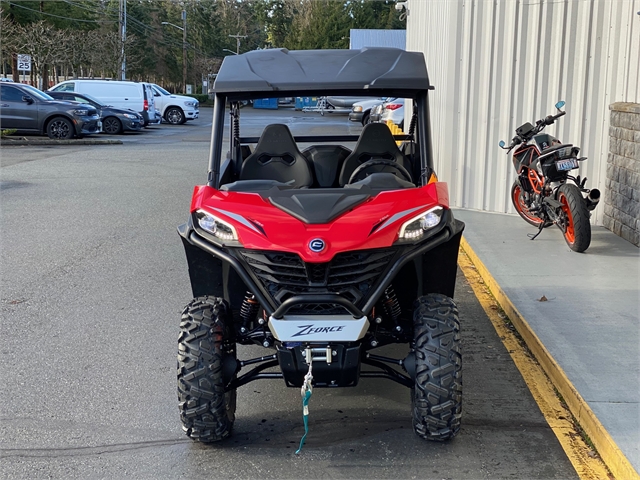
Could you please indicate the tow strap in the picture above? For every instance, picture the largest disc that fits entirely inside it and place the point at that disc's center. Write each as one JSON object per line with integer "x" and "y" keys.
{"x": 305, "y": 391}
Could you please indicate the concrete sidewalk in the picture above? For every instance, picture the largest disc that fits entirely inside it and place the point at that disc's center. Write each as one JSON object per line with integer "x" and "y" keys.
{"x": 589, "y": 324}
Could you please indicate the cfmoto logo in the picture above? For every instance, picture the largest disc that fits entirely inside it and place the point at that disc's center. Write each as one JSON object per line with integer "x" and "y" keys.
{"x": 317, "y": 245}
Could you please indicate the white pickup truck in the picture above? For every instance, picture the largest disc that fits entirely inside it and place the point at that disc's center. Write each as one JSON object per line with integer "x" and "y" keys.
{"x": 175, "y": 109}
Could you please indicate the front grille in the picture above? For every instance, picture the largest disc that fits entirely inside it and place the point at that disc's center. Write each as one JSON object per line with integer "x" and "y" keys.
{"x": 350, "y": 274}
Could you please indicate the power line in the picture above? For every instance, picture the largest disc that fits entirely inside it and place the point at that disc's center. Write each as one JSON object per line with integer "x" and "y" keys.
{"x": 103, "y": 12}
{"x": 58, "y": 16}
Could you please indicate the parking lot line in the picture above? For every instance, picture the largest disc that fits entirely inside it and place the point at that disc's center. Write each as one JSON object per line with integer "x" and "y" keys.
{"x": 494, "y": 301}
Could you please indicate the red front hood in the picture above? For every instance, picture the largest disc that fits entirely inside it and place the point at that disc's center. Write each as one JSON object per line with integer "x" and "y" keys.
{"x": 350, "y": 231}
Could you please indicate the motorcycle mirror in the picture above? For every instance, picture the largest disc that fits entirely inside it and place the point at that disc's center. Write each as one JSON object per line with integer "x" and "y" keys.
{"x": 560, "y": 104}
{"x": 502, "y": 144}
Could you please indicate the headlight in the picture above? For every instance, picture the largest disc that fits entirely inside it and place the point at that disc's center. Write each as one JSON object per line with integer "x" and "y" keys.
{"x": 190, "y": 104}
{"x": 131, "y": 116}
{"x": 81, "y": 112}
{"x": 216, "y": 227}
{"x": 415, "y": 228}
{"x": 357, "y": 109}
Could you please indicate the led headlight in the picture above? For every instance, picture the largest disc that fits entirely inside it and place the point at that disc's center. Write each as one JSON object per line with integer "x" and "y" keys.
{"x": 415, "y": 228}
{"x": 83, "y": 112}
{"x": 190, "y": 104}
{"x": 216, "y": 227}
{"x": 128, "y": 115}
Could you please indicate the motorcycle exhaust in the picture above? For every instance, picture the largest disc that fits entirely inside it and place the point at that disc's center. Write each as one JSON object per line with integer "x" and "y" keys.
{"x": 592, "y": 199}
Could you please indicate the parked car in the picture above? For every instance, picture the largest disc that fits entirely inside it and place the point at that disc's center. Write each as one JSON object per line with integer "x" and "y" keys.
{"x": 361, "y": 111}
{"x": 394, "y": 111}
{"x": 114, "y": 120}
{"x": 345, "y": 102}
{"x": 376, "y": 113}
{"x": 136, "y": 96}
{"x": 174, "y": 109}
{"x": 30, "y": 110}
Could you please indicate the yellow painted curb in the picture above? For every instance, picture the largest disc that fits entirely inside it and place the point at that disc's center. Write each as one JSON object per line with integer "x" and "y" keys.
{"x": 607, "y": 448}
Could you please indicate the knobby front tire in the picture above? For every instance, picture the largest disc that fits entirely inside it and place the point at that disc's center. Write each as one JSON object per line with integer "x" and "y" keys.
{"x": 437, "y": 394}
{"x": 206, "y": 411}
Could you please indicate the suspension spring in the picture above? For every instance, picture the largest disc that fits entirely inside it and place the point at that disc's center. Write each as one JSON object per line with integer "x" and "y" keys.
{"x": 390, "y": 304}
{"x": 249, "y": 309}
{"x": 236, "y": 125}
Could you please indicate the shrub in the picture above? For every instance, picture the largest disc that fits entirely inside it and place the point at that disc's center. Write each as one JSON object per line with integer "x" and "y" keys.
{"x": 7, "y": 131}
{"x": 200, "y": 98}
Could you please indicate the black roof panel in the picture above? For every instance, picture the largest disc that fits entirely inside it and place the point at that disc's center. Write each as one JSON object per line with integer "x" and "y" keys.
{"x": 322, "y": 70}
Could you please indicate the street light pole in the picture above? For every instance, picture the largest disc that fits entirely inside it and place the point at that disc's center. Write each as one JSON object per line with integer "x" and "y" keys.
{"x": 184, "y": 48}
{"x": 184, "y": 51}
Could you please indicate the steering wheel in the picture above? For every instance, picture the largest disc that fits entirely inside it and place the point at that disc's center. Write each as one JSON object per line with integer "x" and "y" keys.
{"x": 360, "y": 172}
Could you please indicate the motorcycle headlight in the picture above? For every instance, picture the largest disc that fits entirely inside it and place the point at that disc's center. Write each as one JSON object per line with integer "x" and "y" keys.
{"x": 216, "y": 227}
{"x": 415, "y": 228}
{"x": 190, "y": 104}
{"x": 128, "y": 115}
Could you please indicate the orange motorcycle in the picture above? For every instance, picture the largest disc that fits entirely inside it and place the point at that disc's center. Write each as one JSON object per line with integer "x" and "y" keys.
{"x": 544, "y": 192}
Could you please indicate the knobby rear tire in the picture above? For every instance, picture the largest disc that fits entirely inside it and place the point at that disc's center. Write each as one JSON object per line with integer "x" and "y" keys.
{"x": 577, "y": 229}
{"x": 437, "y": 394}
{"x": 207, "y": 413}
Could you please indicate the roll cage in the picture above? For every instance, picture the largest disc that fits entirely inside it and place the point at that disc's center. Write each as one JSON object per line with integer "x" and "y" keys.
{"x": 375, "y": 72}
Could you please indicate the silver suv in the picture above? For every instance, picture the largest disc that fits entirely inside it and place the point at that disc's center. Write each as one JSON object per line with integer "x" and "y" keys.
{"x": 30, "y": 110}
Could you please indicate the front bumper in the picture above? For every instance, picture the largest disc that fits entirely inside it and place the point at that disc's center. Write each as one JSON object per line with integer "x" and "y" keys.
{"x": 191, "y": 114}
{"x": 437, "y": 255}
{"x": 131, "y": 125}
{"x": 356, "y": 116}
{"x": 88, "y": 125}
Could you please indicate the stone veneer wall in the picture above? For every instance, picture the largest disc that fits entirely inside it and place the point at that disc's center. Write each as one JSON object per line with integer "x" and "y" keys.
{"x": 622, "y": 187}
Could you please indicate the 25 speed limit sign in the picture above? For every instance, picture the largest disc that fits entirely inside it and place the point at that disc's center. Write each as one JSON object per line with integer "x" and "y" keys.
{"x": 24, "y": 63}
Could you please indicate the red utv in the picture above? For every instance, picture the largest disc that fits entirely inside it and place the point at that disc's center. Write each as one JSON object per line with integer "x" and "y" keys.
{"x": 322, "y": 254}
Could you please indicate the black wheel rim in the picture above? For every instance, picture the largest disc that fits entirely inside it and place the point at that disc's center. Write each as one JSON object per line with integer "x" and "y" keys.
{"x": 60, "y": 129}
{"x": 111, "y": 126}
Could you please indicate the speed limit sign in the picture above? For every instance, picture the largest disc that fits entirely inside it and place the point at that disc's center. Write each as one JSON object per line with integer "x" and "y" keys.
{"x": 24, "y": 62}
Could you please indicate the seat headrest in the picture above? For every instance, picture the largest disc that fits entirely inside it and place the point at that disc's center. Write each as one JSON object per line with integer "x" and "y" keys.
{"x": 276, "y": 157}
{"x": 376, "y": 140}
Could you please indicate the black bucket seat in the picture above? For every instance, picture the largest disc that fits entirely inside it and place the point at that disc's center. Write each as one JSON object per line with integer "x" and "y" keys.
{"x": 376, "y": 141}
{"x": 276, "y": 157}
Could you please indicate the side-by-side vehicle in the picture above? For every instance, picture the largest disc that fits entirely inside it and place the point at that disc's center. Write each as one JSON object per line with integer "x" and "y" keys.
{"x": 321, "y": 249}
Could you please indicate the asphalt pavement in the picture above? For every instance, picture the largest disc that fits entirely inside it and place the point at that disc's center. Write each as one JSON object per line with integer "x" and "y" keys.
{"x": 585, "y": 310}
{"x": 93, "y": 280}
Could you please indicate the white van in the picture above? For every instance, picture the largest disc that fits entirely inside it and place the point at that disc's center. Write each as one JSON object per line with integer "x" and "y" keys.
{"x": 175, "y": 109}
{"x": 136, "y": 96}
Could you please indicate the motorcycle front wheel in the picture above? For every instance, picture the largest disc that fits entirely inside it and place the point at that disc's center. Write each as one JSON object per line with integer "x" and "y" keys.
{"x": 574, "y": 216}
{"x": 517, "y": 197}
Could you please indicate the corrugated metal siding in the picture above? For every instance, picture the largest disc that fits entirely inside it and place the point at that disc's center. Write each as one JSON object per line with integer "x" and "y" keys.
{"x": 360, "y": 38}
{"x": 499, "y": 63}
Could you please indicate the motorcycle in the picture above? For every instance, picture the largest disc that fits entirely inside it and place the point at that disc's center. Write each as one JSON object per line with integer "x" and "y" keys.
{"x": 545, "y": 193}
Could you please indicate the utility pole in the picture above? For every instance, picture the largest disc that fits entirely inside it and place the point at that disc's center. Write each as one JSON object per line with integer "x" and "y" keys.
{"x": 238, "y": 37}
{"x": 184, "y": 51}
{"x": 123, "y": 30}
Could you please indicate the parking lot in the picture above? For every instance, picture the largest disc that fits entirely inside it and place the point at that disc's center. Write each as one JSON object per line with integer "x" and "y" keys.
{"x": 93, "y": 282}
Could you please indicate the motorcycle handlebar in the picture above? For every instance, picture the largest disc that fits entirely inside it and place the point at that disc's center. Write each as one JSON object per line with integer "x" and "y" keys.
{"x": 540, "y": 124}
{"x": 552, "y": 118}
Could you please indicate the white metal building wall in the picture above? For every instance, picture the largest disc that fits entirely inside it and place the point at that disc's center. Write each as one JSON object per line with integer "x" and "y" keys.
{"x": 496, "y": 64}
